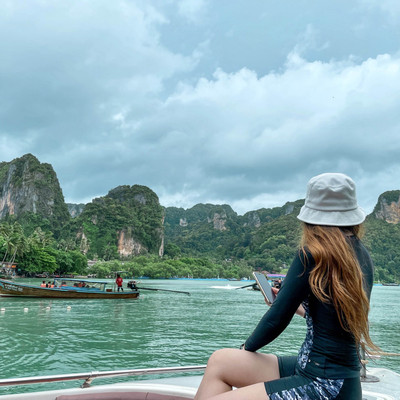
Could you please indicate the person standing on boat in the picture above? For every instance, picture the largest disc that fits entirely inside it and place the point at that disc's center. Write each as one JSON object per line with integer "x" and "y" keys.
{"x": 119, "y": 282}
{"x": 329, "y": 283}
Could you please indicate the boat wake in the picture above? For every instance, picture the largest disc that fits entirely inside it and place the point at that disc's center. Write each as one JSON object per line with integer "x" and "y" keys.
{"x": 226, "y": 287}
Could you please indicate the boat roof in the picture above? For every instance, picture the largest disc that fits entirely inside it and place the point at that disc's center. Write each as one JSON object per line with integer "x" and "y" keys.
{"x": 80, "y": 280}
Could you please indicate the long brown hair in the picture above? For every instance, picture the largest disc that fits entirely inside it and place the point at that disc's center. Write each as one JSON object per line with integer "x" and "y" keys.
{"x": 337, "y": 277}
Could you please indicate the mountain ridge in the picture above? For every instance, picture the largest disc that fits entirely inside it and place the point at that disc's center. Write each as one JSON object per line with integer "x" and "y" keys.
{"x": 129, "y": 221}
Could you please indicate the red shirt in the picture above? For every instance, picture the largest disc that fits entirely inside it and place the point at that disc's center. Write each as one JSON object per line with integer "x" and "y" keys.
{"x": 119, "y": 281}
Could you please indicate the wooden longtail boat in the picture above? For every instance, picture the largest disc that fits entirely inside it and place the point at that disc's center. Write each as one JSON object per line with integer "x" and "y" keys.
{"x": 63, "y": 288}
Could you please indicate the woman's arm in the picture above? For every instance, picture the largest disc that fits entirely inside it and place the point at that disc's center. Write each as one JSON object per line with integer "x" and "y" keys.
{"x": 300, "y": 310}
{"x": 294, "y": 290}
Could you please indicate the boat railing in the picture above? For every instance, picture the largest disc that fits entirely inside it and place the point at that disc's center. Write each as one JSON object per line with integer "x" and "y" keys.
{"x": 90, "y": 376}
{"x": 364, "y": 361}
{"x": 363, "y": 373}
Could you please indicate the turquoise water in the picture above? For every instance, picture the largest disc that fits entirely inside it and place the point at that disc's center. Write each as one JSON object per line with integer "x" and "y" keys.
{"x": 159, "y": 329}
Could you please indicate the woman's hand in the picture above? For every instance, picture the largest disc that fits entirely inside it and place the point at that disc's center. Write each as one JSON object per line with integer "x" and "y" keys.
{"x": 274, "y": 290}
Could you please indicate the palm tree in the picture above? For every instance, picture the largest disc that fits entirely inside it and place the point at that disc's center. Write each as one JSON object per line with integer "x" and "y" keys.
{"x": 66, "y": 244}
{"x": 41, "y": 238}
{"x": 6, "y": 232}
{"x": 14, "y": 239}
{"x": 18, "y": 241}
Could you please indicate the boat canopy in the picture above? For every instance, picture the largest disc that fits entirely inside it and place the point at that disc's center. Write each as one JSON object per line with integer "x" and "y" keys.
{"x": 80, "y": 284}
{"x": 80, "y": 280}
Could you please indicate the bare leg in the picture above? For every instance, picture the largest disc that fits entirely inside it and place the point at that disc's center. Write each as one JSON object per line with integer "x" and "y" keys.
{"x": 253, "y": 392}
{"x": 229, "y": 368}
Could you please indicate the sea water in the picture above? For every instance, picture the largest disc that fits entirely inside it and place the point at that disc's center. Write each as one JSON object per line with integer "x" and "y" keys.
{"x": 160, "y": 329}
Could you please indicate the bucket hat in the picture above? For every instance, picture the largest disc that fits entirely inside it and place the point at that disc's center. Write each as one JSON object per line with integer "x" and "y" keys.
{"x": 331, "y": 200}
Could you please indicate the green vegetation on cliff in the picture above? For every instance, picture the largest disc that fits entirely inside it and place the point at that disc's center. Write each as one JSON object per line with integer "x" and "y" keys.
{"x": 383, "y": 241}
{"x": 264, "y": 239}
{"x": 126, "y": 216}
{"x": 38, "y": 252}
{"x": 155, "y": 267}
{"x": 392, "y": 196}
{"x": 32, "y": 195}
{"x": 268, "y": 238}
{"x": 205, "y": 229}
{"x": 205, "y": 240}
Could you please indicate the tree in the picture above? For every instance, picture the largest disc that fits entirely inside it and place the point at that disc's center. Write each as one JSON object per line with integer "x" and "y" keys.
{"x": 172, "y": 250}
{"x": 5, "y": 232}
{"x": 43, "y": 238}
{"x": 14, "y": 241}
{"x": 38, "y": 260}
{"x": 79, "y": 261}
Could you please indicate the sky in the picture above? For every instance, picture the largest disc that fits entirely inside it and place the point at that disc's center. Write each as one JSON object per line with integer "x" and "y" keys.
{"x": 204, "y": 101}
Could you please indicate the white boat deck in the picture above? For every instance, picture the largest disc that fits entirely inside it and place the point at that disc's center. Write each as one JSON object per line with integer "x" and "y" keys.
{"x": 388, "y": 387}
{"x": 180, "y": 388}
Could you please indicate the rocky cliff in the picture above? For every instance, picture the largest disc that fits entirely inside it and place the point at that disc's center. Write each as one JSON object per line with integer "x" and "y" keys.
{"x": 30, "y": 187}
{"x": 254, "y": 219}
{"x": 204, "y": 228}
{"x": 388, "y": 207}
{"x": 218, "y": 231}
{"x": 128, "y": 221}
{"x": 209, "y": 214}
{"x": 75, "y": 209}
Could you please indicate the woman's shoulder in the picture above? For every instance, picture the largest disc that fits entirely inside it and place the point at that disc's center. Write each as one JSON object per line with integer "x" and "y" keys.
{"x": 305, "y": 256}
{"x": 359, "y": 247}
{"x": 303, "y": 260}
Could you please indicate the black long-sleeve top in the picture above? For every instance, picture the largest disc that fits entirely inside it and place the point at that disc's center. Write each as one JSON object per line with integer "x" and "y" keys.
{"x": 328, "y": 351}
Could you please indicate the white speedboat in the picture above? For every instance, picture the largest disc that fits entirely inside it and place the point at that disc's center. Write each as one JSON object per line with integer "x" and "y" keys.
{"x": 379, "y": 384}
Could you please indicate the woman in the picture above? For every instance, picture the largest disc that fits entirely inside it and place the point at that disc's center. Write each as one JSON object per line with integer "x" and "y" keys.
{"x": 329, "y": 283}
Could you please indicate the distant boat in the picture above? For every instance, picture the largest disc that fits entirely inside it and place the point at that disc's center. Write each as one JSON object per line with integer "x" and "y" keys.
{"x": 391, "y": 284}
{"x": 65, "y": 288}
{"x": 5, "y": 276}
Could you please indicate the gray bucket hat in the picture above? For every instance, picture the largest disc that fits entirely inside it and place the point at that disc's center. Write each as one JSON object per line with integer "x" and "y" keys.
{"x": 331, "y": 200}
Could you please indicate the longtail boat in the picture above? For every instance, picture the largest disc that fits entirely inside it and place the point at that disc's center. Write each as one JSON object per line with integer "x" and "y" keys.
{"x": 67, "y": 288}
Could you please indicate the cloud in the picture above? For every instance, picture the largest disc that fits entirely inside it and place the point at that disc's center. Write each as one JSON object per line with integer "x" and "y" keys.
{"x": 80, "y": 64}
{"x": 390, "y": 8}
{"x": 240, "y": 136}
{"x": 193, "y": 10}
{"x": 122, "y": 93}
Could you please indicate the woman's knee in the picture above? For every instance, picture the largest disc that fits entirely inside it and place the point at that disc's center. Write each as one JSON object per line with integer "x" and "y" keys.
{"x": 220, "y": 357}
{"x": 241, "y": 368}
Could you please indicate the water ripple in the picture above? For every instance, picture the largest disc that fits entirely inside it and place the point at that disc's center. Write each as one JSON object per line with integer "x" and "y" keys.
{"x": 159, "y": 329}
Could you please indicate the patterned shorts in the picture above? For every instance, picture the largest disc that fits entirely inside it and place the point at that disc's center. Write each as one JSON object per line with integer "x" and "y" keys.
{"x": 294, "y": 386}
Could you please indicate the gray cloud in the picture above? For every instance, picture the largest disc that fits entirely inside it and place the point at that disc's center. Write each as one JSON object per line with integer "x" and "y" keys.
{"x": 237, "y": 103}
